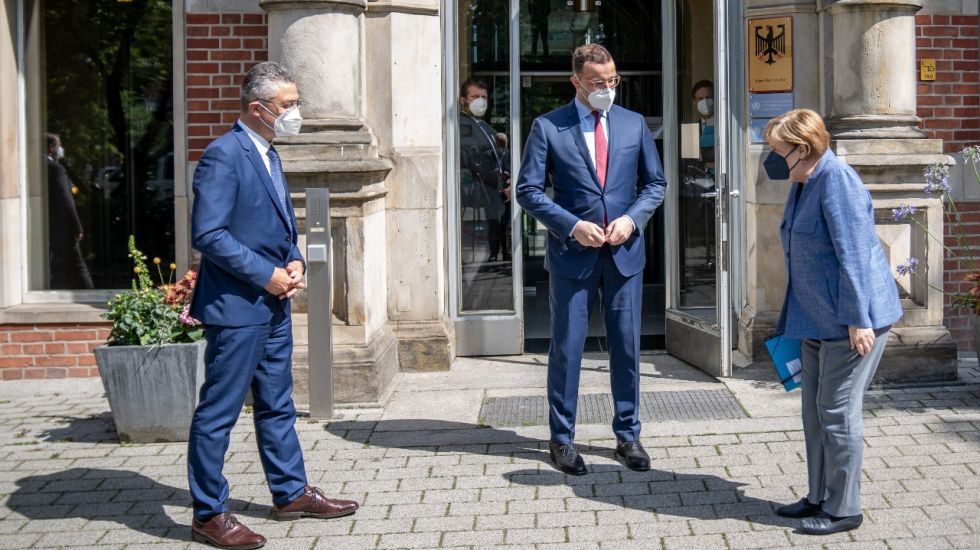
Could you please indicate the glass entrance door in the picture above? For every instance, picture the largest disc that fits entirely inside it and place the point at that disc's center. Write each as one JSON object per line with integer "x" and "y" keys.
{"x": 703, "y": 188}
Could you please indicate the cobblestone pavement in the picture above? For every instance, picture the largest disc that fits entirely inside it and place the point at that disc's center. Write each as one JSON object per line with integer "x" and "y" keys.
{"x": 429, "y": 478}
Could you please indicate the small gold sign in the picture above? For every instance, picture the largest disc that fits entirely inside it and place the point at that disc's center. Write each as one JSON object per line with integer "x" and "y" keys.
{"x": 770, "y": 51}
{"x": 927, "y": 69}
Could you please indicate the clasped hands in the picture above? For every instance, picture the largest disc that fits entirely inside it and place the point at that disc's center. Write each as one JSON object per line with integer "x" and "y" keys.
{"x": 590, "y": 234}
{"x": 285, "y": 282}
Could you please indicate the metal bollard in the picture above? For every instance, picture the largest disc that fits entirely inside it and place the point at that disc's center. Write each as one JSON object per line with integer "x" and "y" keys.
{"x": 319, "y": 289}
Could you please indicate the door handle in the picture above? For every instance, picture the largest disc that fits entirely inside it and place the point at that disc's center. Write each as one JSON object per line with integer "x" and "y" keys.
{"x": 734, "y": 193}
{"x": 709, "y": 195}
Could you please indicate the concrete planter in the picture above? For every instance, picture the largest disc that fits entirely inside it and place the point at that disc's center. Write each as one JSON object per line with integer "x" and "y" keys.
{"x": 975, "y": 320}
{"x": 152, "y": 390}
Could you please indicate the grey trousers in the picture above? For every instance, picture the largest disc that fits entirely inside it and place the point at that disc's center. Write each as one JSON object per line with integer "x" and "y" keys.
{"x": 834, "y": 379}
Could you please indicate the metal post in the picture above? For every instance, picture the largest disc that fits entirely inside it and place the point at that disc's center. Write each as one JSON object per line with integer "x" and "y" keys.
{"x": 319, "y": 289}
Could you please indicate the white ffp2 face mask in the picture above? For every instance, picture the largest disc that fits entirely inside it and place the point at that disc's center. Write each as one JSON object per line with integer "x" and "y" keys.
{"x": 287, "y": 124}
{"x": 706, "y": 106}
{"x": 602, "y": 99}
{"x": 478, "y": 107}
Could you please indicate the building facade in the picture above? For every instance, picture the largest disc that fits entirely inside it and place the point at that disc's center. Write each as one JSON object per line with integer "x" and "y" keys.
{"x": 430, "y": 260}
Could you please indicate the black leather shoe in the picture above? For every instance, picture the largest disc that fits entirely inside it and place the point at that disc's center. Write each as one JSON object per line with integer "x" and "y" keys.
{"x": 567, "y": 459}
{"x": 825, "y": 524}
{"x": 802, "y": 509}
{"x": 632, "y": 452}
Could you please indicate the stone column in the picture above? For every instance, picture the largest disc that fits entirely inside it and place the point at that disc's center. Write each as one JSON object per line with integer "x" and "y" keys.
{"x": 322, "y": 44}
{"x": 874, "y": 92}
{"x": 873, "y": 124}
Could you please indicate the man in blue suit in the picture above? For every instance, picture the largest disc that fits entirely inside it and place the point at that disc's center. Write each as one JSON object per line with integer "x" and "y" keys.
{"x": 244, "y": 226}
{"x": 607, "y": 179}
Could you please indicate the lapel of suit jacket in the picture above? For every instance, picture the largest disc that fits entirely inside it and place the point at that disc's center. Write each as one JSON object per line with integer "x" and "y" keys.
{"x": 575, "y": 125}
{"x": 256, "y": 159}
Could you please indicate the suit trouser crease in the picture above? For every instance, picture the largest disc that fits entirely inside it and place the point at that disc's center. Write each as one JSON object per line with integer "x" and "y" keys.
{"x": 571, "y": 303}
{"x": 834, "y": 380}
{"x": 239, "y": 358}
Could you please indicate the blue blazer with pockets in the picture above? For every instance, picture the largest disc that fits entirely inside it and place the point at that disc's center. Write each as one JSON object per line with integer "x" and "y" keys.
{"x": 242, "y": 233}
{"x": 635, "y": 184}
{"x": 837, "y": 271}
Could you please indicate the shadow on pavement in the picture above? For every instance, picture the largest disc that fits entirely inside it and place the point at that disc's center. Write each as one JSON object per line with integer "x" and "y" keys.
{"x": 701, "y": 496}
{"x": 97, "y": 428}
{"x": 121, "y": 496}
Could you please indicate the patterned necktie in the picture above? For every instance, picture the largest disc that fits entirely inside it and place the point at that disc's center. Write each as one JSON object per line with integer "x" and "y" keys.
{"x": 279, "y": 182}
{"x": 600, "y": 149}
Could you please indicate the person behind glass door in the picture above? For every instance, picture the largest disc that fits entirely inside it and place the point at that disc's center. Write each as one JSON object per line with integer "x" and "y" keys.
{"x": 607, "y": 181}
{"x": 538, "y": 11}
{"x": 65, "y": 234}
{"x": 841, "y": 301}
{"x": 484, "y": 180}
{"x": 703, "y": 97}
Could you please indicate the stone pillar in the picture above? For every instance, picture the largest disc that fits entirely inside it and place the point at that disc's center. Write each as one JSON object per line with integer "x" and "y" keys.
{"x": 322, "y": 44}
{"x": 404, "y": 74}
{"x": 873, "y": 124}
{"x": 874, "y": 91}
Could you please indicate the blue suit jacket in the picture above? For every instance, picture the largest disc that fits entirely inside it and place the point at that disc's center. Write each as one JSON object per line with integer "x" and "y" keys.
{"x": 240, "y": 229}
{"x": 635, "y": 185}
{"x": 838, "y": 273}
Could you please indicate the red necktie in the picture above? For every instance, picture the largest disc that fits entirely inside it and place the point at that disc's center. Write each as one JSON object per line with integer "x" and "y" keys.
{"x": 600, "y": 149}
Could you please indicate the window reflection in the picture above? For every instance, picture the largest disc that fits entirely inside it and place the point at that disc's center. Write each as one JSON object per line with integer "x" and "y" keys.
{"x": 106, "y": 75}
{"x": 484, "y": 179}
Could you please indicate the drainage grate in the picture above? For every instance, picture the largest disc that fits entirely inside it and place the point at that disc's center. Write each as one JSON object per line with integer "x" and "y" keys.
{"x": 596, "y": 408}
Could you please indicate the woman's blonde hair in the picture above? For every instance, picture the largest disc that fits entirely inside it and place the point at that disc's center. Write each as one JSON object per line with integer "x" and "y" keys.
{"x": 800, "y": 127}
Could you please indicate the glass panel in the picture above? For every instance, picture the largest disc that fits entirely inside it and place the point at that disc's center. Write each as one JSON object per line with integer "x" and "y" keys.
{"x": 696, "y": 208}
{"x": 550, "y": 31}
{"x": 486, "y": 268}
{"x": 105, "y": 141}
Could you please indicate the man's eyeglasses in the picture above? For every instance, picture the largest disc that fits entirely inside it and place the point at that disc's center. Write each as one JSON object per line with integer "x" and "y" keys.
{"x": 609, "y": 83}
{"x": 285, "y": 106}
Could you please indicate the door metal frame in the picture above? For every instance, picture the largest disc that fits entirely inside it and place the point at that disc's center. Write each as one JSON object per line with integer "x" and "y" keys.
{"x": 491, "y": 332}
{"x": 706, "y": 342}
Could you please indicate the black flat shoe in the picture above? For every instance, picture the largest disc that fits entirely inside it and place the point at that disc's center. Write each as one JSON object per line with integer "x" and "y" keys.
{"x": 802, "y": 509}
{"x": 825, "y": 524}
{"x": 567, "y": 459}
{"x": 634, "y": 455}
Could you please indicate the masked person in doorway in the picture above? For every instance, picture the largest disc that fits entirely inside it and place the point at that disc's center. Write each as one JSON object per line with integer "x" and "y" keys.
{"x": 484, "y": 176}
{"x": 607, "y": 179}
{"x": 703, "y": 96}
{"x": 841, "y": 300}
{"x": 66, "y": 262}
{"x": 244, "y": 226}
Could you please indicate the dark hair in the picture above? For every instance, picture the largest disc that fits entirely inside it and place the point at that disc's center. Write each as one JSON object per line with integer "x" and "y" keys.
{"x": 589, "y": 53}
{"x": 52, "y": 139}
{"x": 262, "y": 82}
{"x": 701, "y": 84}
{"x": 464, "y": 88}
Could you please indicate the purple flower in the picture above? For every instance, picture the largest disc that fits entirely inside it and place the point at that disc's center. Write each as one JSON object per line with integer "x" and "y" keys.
{"x": 185, "y": 317}
{"x": 937, "y": 179}
{"x": 907, "y": 267}
{"x": 903, "y": 211}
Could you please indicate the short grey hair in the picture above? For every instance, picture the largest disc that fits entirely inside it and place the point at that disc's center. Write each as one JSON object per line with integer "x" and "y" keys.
{"x": 263, "y": 81}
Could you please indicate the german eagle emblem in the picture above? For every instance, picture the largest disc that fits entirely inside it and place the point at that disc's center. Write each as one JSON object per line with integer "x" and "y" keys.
{"x": 770, "y": 45}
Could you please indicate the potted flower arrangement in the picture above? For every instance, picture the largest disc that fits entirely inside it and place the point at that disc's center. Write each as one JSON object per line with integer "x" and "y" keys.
{"x": 152, "y": 366}
{"x": 937, "y": 183}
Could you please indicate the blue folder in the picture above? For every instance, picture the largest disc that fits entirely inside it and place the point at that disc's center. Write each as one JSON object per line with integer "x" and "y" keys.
{"x": 785, "y": 354}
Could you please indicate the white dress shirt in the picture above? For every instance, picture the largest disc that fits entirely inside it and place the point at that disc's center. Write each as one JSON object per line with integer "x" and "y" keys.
{"x": 587, "y": 124}
{"x": 260, "y": 143}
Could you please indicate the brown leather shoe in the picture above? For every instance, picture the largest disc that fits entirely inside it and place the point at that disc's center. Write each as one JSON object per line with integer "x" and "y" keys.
{"x": 314, "y": 504}
{"x": 225, "y": 531}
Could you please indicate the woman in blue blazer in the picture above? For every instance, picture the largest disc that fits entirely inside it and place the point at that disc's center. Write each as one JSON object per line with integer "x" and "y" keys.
{"x": 841, "y": 301}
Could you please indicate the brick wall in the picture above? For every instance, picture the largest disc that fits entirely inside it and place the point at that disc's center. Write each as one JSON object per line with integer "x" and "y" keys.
{"x": 220, "y": 48}
{"x": 950, "y": 105}
{"x": 49, "y": 351}
{"x": 950, "y": 110}
{"x": 959, "y": 322}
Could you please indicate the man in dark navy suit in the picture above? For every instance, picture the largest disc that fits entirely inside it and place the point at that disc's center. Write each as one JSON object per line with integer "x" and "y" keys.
{"x": 607, "y": 181}
{"x": 244, "y": 226}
